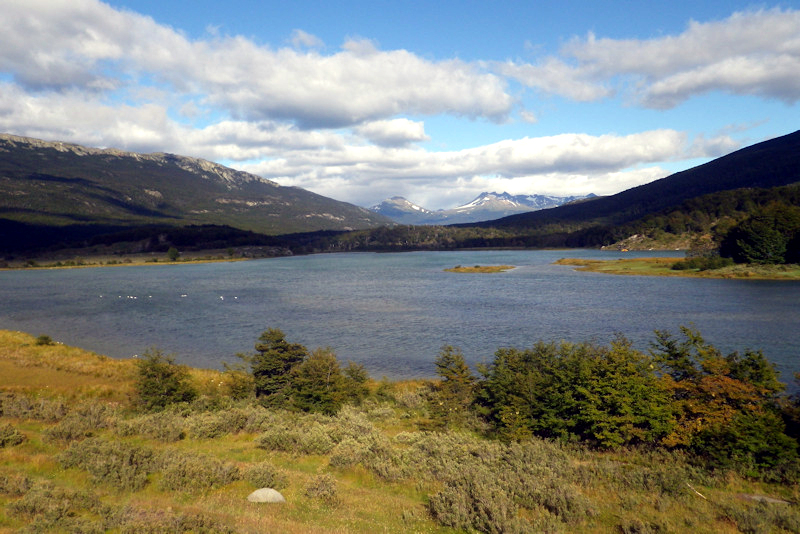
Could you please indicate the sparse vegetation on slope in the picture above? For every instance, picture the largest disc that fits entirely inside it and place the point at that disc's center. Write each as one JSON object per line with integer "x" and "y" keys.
{"x": 79, "y": 455}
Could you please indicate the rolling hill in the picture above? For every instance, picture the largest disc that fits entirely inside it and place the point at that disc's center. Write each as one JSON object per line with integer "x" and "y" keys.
{"x": 49, "y": 190}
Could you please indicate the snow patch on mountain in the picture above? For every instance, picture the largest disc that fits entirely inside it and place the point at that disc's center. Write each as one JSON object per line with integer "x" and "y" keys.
{"x": 486, "y": 206}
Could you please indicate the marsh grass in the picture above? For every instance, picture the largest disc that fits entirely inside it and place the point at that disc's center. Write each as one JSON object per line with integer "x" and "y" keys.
{"x": 92, "y": 463}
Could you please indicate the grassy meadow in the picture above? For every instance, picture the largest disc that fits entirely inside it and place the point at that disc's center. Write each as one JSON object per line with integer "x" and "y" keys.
{"x": 77, "y": 454}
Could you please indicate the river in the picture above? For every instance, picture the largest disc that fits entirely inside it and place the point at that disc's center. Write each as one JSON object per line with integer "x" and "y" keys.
{"x": 391, "y": 312}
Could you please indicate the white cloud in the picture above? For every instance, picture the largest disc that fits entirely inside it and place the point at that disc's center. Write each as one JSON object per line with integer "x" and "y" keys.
{"x": 562, "y": 164}
{"x": 748, "y": 53}
{"x": 333, "y": 121}
{"x": 301, "y": 39}
{"x": 393, "y": 133}
{"x": 86, "y": 44}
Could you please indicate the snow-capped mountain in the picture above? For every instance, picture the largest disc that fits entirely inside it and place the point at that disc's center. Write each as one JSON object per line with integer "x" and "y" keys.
{"x": 485, "y": 207}
{"x": 397, "y": 208}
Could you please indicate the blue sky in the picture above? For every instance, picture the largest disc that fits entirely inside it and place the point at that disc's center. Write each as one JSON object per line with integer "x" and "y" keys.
{"x": 436, "y": 102}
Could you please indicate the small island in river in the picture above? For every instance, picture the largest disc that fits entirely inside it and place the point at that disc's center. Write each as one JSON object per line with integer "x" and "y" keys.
{"x": 481, "y": 269}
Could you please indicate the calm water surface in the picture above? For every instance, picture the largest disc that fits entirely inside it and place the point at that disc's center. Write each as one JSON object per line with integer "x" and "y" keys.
{"x": 391, "y": 312}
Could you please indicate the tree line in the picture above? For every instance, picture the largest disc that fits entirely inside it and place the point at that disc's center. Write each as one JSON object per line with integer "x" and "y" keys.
{"x": 728, "y": 411}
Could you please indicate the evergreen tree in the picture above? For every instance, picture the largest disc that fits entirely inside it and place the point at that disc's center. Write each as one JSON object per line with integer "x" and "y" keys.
{"x": 317, "y": 384}
{"x": 454, "y": 394}
{"x": 272, "y": 364}
{"x": 160, "y": 381}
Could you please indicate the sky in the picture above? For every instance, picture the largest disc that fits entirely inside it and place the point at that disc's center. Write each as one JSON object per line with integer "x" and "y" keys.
{"x": 433, "y": 101}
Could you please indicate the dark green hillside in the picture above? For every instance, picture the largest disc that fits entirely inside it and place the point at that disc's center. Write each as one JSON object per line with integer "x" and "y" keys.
{"x": 769, "y": 164}
{"x": 51, "y": 192}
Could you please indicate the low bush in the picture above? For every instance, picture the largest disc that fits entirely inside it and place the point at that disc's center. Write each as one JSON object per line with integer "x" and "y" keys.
{"x": 116, "y": 463}
{"x": 373, "y": 451}
{"x": 134, "y": 520}
{"x": 10, "y": 436}
{"x": 37, "y": 408}
{"x": 215, "y": 424}
{"x": 298, "y": 440}
{"x": 475, "y": 502}
{"x": 166, "y": 426}
{"x": 82, "y": 422}
{"x": 193, "y": 473}
{"x": 265, "y": 475}
{"x": 14, "y": 484}
{"x": 325, "y": 488}
{"x": 762, "y": 517}
{"x": 702, "y": 263}
{"x": 51, "y": 508}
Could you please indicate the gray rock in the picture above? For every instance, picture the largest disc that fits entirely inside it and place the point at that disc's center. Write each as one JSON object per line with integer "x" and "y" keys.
{"x": 266, "y": 495}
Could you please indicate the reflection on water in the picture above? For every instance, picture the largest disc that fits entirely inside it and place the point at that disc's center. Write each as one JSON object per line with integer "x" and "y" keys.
{"x": 391, "y": 312}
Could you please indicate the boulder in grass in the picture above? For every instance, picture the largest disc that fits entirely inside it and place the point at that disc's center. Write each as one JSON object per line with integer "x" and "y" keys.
{"x": 266, "y": 495}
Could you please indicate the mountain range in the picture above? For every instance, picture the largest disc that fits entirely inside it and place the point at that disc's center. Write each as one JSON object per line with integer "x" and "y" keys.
{"x": 768, "y": 164}
{"x": 78, "y": 191}
{"x": 484, "y": 207}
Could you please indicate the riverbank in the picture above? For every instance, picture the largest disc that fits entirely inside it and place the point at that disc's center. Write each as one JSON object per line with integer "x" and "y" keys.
{"x": 663, "y": 267}
{"x": 76, "y": 454}
{"x": 76, "y": 259}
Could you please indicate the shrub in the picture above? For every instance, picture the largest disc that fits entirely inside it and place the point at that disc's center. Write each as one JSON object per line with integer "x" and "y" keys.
{"x": 14, "y": 485}
{"x": 373, "y": 451}
{"x": 53, "y": 508}
{"x": 325, "y": 488}
{"x": 474, "y": 502}
{"x": 165, "y": 426}
{"x": 216, "y": 424}
{"x": 24, "y": 407}
{"x": 160, "y": 381}
{"x": 702, "y": 263}
{"x": 82, "y": 422}
{"x": 10, "y": 436}
{"x": 44, "y": 340}
{"x": 134, "y": 520}
{"x": 195, "y": 473}
{"x": 762, "y": 517}
{"x": 298, "y": 440}
{"x": 118, "y": 464}
{"x": 265, "y": 475}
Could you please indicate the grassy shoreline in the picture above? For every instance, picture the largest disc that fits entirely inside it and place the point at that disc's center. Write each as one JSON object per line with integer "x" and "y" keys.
{"x": 663, "y": 267}
{"x": 372, "y": 468}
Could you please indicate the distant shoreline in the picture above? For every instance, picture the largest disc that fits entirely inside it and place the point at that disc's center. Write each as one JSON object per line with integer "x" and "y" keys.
{"x": 663, "y": 267}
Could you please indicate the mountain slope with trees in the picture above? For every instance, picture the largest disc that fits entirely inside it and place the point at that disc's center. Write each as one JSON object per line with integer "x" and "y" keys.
{"x": 51, "y": 188}
{"x": 772, "y": 163}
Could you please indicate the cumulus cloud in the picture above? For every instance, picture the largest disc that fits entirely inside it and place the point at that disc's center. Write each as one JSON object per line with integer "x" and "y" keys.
{"x": 334, "y": 120}
{"x": 302, "y": 39}
{"x": 561, "y": 164}
{"x": 90, "y": 45}
{"x": 748, "y": 53}
{"x": 393, "y": 133}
